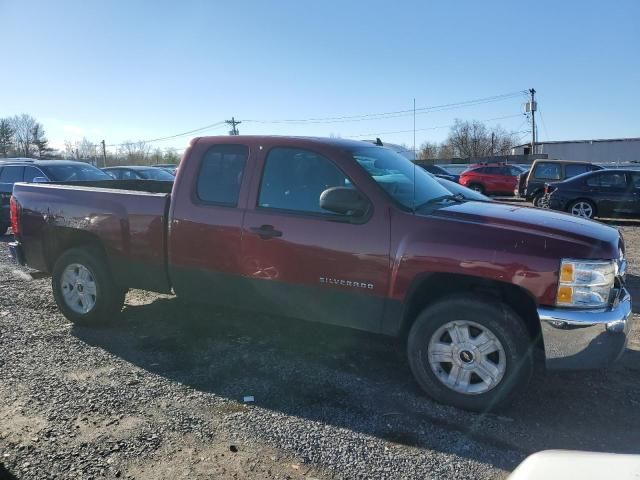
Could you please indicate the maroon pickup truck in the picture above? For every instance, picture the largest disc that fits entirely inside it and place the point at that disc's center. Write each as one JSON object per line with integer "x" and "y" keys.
{"x": 347, "y": 233}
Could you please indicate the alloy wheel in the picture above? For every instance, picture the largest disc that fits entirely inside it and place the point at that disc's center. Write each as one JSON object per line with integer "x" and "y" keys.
{"x": 467, "y": 357}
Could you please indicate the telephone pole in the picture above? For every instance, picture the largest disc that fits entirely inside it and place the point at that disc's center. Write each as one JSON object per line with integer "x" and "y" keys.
{"x": 104, "y": 154}
{"x": 532, "y": 108}
{"x": 233, "y": 122}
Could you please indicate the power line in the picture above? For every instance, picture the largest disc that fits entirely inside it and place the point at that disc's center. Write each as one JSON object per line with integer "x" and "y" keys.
{"x": 396, "y": 113}
{"x": 428, "y": 128}
{"x": 233, "y": 122}
{"x": 160, "y": 139}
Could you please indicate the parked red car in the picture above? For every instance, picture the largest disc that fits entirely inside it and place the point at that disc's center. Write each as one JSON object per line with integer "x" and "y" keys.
{"x": 491, "y": 178}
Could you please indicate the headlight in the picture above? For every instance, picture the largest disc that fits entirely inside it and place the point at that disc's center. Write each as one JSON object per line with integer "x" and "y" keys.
{"x": 585, "y": 283}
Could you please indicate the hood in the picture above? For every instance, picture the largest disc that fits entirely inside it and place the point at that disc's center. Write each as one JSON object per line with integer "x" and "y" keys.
{"x": 602, "y": 241}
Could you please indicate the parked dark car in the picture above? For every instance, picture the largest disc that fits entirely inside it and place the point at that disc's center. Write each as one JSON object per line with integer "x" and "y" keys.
{"x": 531, "y": 185}
{"x": 440, "y": 172}
{"x": 491, "y": 178}
{"x": 603, "y": 193}
{"x": 40, "y": 171}
{"x": 137, "y": 172}
{"x": 172, "y": 168}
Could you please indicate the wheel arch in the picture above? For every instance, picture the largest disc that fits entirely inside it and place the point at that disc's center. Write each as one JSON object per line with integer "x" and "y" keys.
{"x": 430, "y": 288}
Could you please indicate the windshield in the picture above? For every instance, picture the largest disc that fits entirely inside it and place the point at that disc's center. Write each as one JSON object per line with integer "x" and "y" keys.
{"x": 156, "y": 174}
{"x": 74, "y": 172}
{"x": 405, "y": 182}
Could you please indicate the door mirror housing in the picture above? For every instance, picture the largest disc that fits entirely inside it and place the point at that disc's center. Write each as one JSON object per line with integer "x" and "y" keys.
{"x": 344, "y": 201}
{"x": 40, "y": 180}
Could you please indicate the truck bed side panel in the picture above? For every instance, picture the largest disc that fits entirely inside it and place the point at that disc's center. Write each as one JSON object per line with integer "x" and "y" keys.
{"x": 129, "y": 225}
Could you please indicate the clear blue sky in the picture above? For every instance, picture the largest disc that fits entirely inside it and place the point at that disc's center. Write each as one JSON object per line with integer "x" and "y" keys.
{"x": 128, "y": 70}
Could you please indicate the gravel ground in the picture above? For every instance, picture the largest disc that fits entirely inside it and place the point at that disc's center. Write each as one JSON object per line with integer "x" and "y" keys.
{"x": 161, "y": 396}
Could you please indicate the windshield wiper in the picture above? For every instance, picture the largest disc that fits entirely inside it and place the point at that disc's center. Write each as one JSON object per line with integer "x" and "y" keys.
{"x": 458, "y": 198}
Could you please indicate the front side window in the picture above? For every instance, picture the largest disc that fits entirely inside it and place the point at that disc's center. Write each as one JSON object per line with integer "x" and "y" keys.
{"x": 156, "y": 174}
{"x": 294, "y": 179}
{"x": 405, "y": 182}
{"x": 548, "y": 171}
{"x": 11, "y": 174}
{"x": 221, "y": 173}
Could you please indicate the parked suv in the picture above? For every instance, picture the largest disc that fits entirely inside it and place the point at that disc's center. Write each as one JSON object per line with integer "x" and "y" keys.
{"x": 25, "y": 170}
{"x": 491, "y": 178}
{"x": 531, "y": 186}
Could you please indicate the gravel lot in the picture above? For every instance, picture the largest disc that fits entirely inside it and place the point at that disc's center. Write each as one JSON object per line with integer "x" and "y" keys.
{"x": 161, "y": 396}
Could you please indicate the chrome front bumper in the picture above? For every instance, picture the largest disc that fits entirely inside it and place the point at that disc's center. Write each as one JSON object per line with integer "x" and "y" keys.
{"x": 578, "y": 339}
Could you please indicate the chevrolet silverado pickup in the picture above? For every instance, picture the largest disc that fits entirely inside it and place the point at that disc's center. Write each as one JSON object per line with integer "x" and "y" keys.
{"x": 346, "y": 233}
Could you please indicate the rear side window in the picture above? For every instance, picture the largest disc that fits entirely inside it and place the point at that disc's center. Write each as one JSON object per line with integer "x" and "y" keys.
{"x": 293, "y": 179}
{"x": 31, "y": 172}
{"x": 11, "y": 174}
{"x": 573, "y": 170}
{"x": 494, "y": 171}
{"x": 635, "y": 180}
{"x": 611, "y": 180}
{"x": 548, "y": 171}
{"x": 221, "y": 174}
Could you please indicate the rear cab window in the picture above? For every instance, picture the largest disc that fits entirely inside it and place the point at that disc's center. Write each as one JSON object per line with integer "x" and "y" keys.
{"x": 12, "y": 174}
{"x": 220, "y": 175}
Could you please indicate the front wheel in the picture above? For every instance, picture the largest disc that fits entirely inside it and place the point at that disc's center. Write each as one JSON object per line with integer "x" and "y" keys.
{"x": 84, "y": 289}
{"x": 471, "y": 353}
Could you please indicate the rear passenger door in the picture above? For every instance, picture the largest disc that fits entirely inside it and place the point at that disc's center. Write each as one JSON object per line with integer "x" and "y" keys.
{"x": 305, "y": 262}
{"x": 205, "y": 232}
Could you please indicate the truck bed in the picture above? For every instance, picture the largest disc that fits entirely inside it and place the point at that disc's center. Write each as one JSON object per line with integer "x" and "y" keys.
{"x": 126, "y": 218}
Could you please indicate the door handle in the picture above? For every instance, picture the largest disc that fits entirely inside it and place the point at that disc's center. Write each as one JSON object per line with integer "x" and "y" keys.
{"x": 266, "y": 232}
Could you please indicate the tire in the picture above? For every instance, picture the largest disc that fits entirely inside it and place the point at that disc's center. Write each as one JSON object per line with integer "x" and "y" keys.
{"x": 86, "y": 268}
{"x": 587, "y": 207}
{"x": 4, "y": 226}
{"x": 513, "y": 358}
{"x": 537, "y": 199}
{"x": 477, "y": 187}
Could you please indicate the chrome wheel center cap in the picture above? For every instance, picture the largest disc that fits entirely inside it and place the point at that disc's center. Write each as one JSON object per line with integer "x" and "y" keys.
{"x": 466, "y": 356}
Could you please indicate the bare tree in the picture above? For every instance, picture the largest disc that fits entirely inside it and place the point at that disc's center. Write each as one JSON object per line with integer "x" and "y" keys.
{"x": 428, "y": 150}
{"x": 6, "y": 137}
{"x": 156, "y": 156}
{"x": 84, "y": 150}
{"x": 473, "y": 139}
{"x": 23, "y": 126}
{"x": 135, "y": 153}
{"x": 171, "y": 156}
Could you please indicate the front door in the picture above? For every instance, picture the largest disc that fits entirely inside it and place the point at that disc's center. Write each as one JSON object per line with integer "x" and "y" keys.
{"x": 305, "y": 262}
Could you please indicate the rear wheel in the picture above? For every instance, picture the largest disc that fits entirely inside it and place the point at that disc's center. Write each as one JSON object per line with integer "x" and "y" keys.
{"x": 582, "y": 208}
{"x": 84, "y": 289}
{"x": 472, "y": 353}
{"x": 477, "y": 187}
{"x": 4, "y": 226}
{"x": 537, "y": 199}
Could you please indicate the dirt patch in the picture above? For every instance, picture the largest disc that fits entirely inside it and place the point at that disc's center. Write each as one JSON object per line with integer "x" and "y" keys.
{"x": 17, "y": 425}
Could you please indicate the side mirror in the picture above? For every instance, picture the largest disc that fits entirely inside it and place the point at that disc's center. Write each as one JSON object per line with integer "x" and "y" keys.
{"x": 40, "y": 180}
{"x": 345, "y": 201}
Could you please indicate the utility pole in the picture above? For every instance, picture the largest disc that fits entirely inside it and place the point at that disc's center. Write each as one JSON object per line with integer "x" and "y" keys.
{"x": 532, "y": 108}
{"x": 414, "y": 129}
{"x": 104, "y": 154}
{"x": 233, "y": 122}
{"x": 493, "y": 140}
